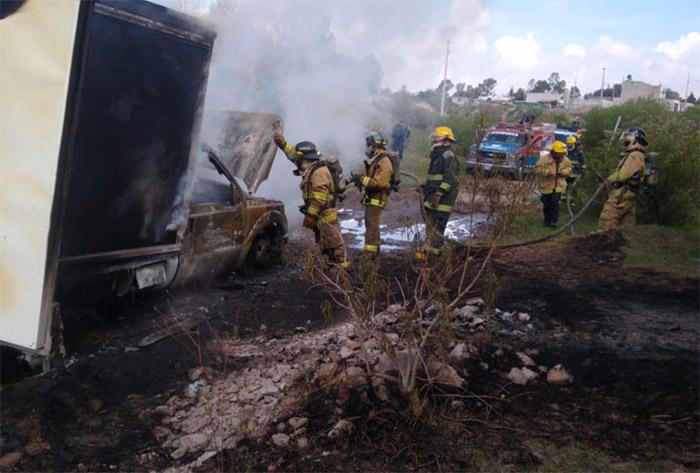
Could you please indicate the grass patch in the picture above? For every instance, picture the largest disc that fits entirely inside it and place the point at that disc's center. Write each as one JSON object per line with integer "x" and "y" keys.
{"x": 581, "y": 458}
{"x": 663, "y": 249}
{"x": 528, "y": 224}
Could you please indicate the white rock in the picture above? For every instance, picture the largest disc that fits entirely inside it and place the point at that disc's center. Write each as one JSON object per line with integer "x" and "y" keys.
{"x": 559, "y": 376}
{"x": 466, "y": 313}
{"x": 342, "y": 428}
{"x": 476, "y": 321}
{"x": 506, "y": 316}
{"x": 298, "y": 422}
{"x": 530, "y": 327}
{"x": 524, "y": 317}
{"x": 476, "y": 301}
{"x": 281, "y": 427}
{"x": 524, "y": 359}
{"x": 483, "y": 365}
{"x": 394, "y": 308}
{"x": 459, "y": 352}
{"x": 280, "y": 440}
{"x": 521, "y": 376}
{"x": 302, "y": 443}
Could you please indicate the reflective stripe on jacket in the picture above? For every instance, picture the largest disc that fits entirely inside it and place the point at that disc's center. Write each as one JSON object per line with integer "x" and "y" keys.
{"x": 376, "y": 182}
{"x": 627, "y": 177}
{"x": 552, "y": 173}
{"x": 317, "y": 192}
{"x": 442, "y": 177}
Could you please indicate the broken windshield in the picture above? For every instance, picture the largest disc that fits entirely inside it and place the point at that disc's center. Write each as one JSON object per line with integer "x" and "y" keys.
{"x": 506, "y": 138}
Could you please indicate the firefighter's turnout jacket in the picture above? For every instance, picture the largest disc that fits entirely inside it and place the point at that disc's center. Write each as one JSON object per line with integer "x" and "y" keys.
{"x": 441, "y": 178}
{"x": 318, "y": 193}
{"x": 626, "y": 182}
{"x": 376, "y": 183}
{"x": 552, "y": 173}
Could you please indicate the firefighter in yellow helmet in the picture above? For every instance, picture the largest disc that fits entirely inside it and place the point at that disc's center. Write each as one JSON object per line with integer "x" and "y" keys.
{"x": 575, "y": 155}
{"x": 626, "y": 182}
{"x": 552, "y": 169}
{"x": 317, "y": 189}
{"x": 439, "y": 190}
{"x": 376, "y": 185}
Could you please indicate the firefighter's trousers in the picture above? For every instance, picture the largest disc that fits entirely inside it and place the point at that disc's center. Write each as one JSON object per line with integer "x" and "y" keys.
{"x": 618, "y": 211}
{"x": 330, "y": 242}
{"x": 435, "y": 226}
{"x": 373, "y": 216}
{"x": 550, "y": 208}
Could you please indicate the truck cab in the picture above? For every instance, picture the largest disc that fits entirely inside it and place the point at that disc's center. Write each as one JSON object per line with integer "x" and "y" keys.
{"x": 501, "y": 151}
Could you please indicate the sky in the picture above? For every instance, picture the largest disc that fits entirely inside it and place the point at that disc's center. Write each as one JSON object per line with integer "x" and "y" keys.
{"x": 657, "y": 41}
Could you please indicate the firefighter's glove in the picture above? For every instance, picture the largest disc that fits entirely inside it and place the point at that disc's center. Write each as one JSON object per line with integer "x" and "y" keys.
{"x": 279, "y": 140}
{"x": 309, "y": 222}
{"x": 302, "y": 209}
{"x": 436, "y": 198}
{"x": 355, "y": 179}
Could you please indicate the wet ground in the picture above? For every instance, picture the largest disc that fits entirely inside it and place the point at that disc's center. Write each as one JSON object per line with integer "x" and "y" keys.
{"x": 630, "y": 339}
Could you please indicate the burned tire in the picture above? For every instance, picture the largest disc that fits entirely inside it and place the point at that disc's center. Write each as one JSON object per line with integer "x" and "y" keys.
{"x": 267, "y": 249}
{"x": 261, "y": 252}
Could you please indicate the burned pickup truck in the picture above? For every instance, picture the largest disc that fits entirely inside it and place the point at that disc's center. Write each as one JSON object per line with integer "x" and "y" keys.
{"x": 229, "y": 226}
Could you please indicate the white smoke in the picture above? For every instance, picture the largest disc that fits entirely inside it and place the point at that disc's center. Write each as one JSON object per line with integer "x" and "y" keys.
{"x": 280, "y": 57}
{"x": 318, "y": 64}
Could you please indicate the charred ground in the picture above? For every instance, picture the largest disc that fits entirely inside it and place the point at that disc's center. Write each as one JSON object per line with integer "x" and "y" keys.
{"x": 630, "y": 338}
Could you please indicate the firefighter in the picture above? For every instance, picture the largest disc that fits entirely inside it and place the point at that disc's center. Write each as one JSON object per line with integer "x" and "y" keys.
{"x": 317, "y": 189}
{"x": 552, "y": 169}
{"x": 376, "y": 184}
{"x": 625, "y": 181}
{"x": 439, "y": 190}
{"x": 399, "y": 136}
{"x": 575, "y": 155}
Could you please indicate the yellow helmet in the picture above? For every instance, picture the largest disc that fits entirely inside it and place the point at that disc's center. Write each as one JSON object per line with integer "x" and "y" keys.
{"x": 558, "y": 147}
{"x": 442, "y": 132}
{"x": 571, "y": 140}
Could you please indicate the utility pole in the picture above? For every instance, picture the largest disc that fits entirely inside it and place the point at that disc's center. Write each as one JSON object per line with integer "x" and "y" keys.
{"x": 602, "y": 86}
{"x": 444, "y": 82}
{"x": 685, "y": 102}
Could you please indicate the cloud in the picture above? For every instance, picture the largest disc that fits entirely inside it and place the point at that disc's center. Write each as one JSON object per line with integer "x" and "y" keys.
{"x": 609, "y": 47}
{"x": 574, "y": 50}
{"x": 517, "y": 52}
{"x": 681, "y": 47}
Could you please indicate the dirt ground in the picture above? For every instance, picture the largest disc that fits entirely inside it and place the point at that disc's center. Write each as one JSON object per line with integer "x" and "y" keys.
{"x": 630, "y": 339}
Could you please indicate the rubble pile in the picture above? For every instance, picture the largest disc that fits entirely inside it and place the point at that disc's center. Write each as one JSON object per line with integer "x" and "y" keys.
{"x": 259, "y": 402}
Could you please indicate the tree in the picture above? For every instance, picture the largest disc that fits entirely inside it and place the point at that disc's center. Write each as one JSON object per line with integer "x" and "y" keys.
{"x": 671, "y": 94}
{"x": 486, "y": 87}
{"x": 629, "y": 76}
{"x": 520, "y": 94}
{"x": 511, "y": 92}
{"x": 574, "y": 93}
{"x": 460, "y": 89}
{"x": 539, "y": 86}
{"x": 691, "y": 98}
{"x": 555, "y": 83}
{"x": 448, "y": 85}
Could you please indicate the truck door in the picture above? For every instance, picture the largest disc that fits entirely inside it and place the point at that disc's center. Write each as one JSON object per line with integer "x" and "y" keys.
{"x": 36, "y": 45}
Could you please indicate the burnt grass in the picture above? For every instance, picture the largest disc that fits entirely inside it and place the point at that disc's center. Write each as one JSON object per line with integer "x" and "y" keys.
{"x": 629, "y": 338}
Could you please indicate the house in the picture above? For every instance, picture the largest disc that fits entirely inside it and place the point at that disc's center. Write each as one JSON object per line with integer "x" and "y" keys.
{"x": 551, "y": 98}
{"x": 634, "y": 89}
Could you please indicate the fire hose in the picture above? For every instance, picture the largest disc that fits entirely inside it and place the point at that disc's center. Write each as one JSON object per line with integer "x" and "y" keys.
{"x": 562, "y": 229}
{"x": 541, "y": 239}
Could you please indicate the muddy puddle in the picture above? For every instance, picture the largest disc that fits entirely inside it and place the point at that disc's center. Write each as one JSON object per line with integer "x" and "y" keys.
{"x": 397, "y": 236}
